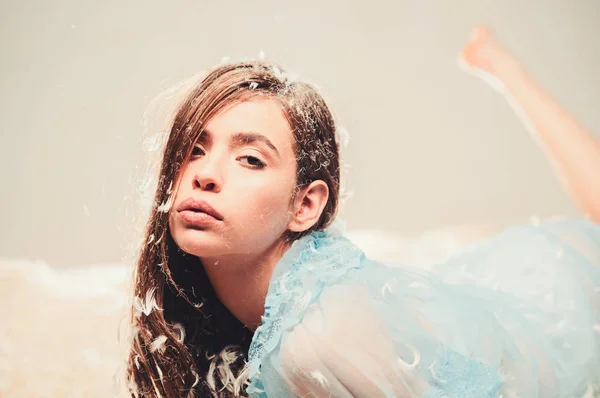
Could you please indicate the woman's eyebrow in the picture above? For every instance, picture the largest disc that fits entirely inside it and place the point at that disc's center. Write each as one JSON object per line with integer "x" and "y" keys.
{"x": 241, "y": 138}
{"x": 247, "y": 137}
{"x": 205, "y": 137}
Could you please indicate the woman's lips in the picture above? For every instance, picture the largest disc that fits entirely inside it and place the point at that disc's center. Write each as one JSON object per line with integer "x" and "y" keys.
{"x": 196, "y": 205}
{"x": 198, "y": 218}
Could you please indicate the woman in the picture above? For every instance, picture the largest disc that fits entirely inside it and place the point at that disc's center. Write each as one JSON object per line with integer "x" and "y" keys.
{"x": 239, "y": 266}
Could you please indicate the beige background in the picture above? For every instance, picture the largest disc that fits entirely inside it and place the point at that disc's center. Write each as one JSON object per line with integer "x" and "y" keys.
{"x": 430, "y": 146}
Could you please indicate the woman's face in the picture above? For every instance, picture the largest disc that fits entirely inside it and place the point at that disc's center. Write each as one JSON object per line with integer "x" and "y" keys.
{"x": 233, "y": 197}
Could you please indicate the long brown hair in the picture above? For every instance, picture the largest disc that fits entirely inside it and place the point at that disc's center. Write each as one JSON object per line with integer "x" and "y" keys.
{"x": 185, "y": 342}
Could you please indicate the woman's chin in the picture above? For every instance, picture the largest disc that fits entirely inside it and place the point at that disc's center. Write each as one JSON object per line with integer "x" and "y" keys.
{"x": 201, "y": 244}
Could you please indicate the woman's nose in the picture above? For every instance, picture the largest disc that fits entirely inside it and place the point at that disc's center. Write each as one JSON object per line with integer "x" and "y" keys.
{"x": 208, "y": 176}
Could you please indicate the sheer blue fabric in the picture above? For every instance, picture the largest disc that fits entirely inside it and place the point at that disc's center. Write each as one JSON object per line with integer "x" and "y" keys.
{"x": 517, "y": 315}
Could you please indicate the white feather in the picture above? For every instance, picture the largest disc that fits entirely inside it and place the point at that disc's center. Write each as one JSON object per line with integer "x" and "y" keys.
{"x": 417, "y": 359}
{"x": 160, "y": 373}
{"x": 158, "y": 344}
{"x": 165, "y": 207}
{"x": 146, "y": 306}
{"x": 180, "y": 331}
{"x": 433, "y": 375}
{"x": 386, "y": 288}
{"x": 319, "y": 377}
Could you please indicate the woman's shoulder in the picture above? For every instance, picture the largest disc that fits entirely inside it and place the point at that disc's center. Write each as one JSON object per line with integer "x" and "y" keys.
{"x": 310, "y": 265}
{"x": 327, "y": 298}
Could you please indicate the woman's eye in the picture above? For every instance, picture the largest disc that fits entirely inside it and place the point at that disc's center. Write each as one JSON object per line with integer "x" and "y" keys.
{"x": 197, "y": 151}
{"x": 253, "y": 162}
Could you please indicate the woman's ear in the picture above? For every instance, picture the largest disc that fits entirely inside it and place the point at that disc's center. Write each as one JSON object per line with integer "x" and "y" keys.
{"x": 308, "y": 206}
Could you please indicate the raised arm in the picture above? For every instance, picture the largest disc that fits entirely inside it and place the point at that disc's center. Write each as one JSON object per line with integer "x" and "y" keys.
{"x": 573, "y": 150}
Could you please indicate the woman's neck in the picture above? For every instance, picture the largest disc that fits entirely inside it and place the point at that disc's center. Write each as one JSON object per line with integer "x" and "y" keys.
{"x": 241, "y": 282}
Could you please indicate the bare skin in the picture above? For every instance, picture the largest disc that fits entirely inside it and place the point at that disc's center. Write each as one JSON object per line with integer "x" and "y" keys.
{"x": 573, "y": 151}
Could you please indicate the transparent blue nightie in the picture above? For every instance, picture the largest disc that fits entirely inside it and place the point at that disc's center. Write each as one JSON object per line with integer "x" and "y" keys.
{"x": 515, "y": 316}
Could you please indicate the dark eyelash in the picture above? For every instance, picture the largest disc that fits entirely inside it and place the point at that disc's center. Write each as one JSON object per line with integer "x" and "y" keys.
{"x": 260, "y": 165}
{"x": 197, "y": 151}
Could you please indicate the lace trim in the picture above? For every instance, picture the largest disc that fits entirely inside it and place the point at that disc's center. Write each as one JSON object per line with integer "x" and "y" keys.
{"x": 315, "y": 261}
{"x": 462, "y": 377}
